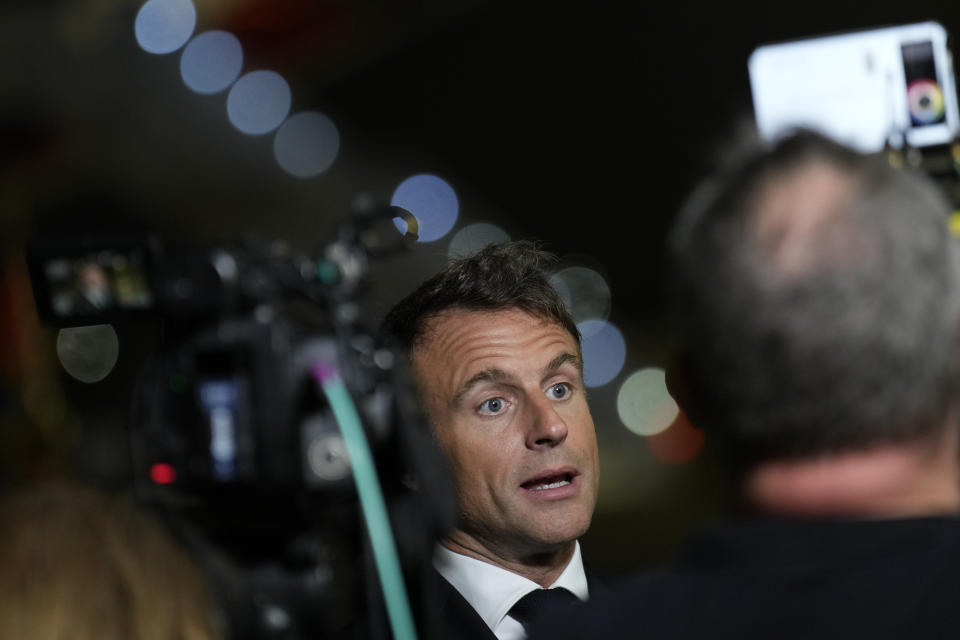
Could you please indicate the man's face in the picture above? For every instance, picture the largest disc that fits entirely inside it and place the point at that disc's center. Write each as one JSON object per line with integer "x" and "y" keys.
{"x": 92, "y": 278}
{"x": 505, "y": 393}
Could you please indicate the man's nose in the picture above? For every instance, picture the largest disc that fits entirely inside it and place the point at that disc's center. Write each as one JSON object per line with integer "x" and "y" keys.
{"x": 546, "y": 428}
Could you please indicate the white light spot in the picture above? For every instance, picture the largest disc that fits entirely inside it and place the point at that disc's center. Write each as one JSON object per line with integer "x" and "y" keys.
{"x": 88, "y": 353}
{"x": 604, "y": 352}
{"x": 585, "y": 292}
{"x": 211, "y": 62}
{"x": 307, "y": 144}
{"x": 474, "y": 237}
{"x": 432, "y": 201}
{"x": 163, "y": 26}
{"x": 643, "y": 403}
{"x": 258, "y": 102}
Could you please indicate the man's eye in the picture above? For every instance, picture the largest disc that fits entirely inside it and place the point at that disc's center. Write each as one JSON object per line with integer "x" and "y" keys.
{"x": 559, "y": 391}
{"x": 492, "y": 406}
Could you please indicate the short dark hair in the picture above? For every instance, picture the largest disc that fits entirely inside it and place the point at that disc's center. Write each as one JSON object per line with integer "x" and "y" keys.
{"x": 832, "y": 338}
{"x": 508, "y": 275}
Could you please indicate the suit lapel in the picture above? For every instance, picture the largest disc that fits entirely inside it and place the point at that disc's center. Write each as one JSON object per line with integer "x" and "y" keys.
{"x": 451, "y": 616}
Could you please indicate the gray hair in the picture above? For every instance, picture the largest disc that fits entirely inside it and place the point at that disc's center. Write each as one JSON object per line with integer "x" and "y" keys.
{"x": 817, "y": 302}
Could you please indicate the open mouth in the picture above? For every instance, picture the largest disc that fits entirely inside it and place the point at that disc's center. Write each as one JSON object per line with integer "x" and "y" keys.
{"x": 552, "y": 481}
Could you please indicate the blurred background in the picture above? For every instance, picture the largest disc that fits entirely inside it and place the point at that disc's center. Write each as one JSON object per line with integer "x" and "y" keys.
{"x": 582, "y": 125}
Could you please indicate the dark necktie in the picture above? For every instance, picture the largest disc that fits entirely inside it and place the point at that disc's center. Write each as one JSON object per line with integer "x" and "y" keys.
{"x": 540, "y": 602}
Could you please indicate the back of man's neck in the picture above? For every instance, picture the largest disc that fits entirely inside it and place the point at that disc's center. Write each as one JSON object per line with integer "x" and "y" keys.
{"x": 892, "y": 481}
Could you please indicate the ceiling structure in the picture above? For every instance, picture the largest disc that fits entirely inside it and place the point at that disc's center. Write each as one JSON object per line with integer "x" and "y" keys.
{"x": 581, "y": 125}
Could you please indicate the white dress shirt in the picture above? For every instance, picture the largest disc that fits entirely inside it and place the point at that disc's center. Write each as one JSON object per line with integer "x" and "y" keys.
{"x": 492, "y": 591}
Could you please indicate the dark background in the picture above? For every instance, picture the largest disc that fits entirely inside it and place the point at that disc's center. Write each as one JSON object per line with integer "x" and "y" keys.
{"x": 581, "y": 124}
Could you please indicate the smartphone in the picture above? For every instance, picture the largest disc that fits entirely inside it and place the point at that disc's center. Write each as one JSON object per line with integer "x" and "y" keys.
{"x": 925, "y": 103}
{"x": 869, "y": 89}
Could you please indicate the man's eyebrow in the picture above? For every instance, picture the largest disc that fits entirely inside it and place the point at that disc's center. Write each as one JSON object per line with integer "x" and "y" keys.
{"x": 562, "y": 359}
{"x": 487, "y": 375}
{"x": 499, "y": 375}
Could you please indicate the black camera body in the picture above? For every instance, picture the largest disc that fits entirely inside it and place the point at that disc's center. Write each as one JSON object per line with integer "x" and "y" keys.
{"x": 228, "y": 402}
{"x": 231, "y": 434}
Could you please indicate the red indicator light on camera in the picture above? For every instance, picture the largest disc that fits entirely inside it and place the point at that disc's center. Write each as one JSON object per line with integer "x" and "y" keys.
{"x": 163, "y": 473}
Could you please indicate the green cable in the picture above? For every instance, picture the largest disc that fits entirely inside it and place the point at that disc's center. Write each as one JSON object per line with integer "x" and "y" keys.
{"x": 371, "y": 502}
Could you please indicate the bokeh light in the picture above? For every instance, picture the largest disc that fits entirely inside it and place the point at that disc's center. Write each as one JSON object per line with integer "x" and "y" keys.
{"x": 474, "y": 237}
{"x": 432, "y": 201}
{"x": 585, "y": 292}
{"x": 604, "y": 352}
{"x": 211, "y": 62}
{"x": 644, "y": 405}
{"x": 88, "y": 353}
{"x": 307, "y": 144}
{"x": 258, "y": 102}
{"x": 163, "y": 26}
{"x": 678, "y": 443}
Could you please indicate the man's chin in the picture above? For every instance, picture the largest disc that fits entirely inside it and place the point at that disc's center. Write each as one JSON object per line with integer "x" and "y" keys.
{"x": 547, "y": 537}
{"x": 552, "y": 541}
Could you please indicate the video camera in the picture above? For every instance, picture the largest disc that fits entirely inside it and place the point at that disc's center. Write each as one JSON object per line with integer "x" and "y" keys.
{"x": 874, "y": 88}
{"x": 890, "y": 90}
{"x": 235, "y": 432}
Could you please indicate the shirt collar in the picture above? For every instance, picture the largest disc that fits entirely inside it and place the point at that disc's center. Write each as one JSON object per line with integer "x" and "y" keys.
{"x": 492, "y": 590}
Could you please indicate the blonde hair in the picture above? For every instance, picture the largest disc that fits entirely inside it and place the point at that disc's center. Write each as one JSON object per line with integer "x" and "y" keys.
{"x": 78, "y": 565}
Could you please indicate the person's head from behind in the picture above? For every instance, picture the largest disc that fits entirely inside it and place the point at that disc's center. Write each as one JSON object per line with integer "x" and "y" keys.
{"x": 817, "y": 299}
{"x": 497, "y": 363}
{"x": 78, "y": 565}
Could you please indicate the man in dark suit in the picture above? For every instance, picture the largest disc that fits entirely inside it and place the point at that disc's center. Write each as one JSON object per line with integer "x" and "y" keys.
{"x": 818, "y": 299}
{"x": 496, "y": 360}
